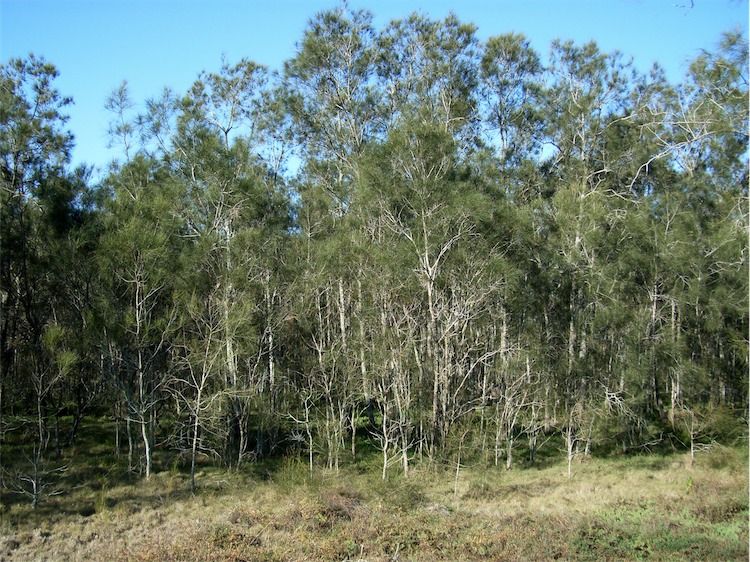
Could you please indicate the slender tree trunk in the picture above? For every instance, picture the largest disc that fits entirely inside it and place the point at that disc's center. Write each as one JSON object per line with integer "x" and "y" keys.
{"x": 40, "y": 422}
{"x": 571, "y": 330}
{"x": 444, "y": 392}
{"x": 405, "y": 453}
{"x": 241, "y": 420}
{"x": 458, "y": 463}
{"x": 146, "y": 444}
{"x": 385, "y": 443}
{"x": 432, "y": 358}
{"x": 309, "y": 447}
{"x": 509, "y": 452}
{"x": 231, "y": 360}
{"x": 570, "y": 446}
{"x": 692, "y": 439}
{"x": 533, "y": 436}
{"x": 353, "y": 422}
{"x": 652, "y": 333}
{"x": 117, "y": 428}
{"x": 270, "y": 297}
{"x": 361, "y": 329}
{"x": 144, "y": 417}
{"x": 589, "y": 435}
{"x": 58, "y": 451}
{"x": 498, "y": 433}
{"x": 194, "y": 447}
{"x": 152, "y": 425}
{"x": 342, "y": 315}
{"x": 130, "y": 443}
{"x": 482, "y": 415}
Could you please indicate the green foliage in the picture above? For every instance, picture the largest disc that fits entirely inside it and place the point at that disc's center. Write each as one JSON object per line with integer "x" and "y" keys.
{"x": 467, "y": 255}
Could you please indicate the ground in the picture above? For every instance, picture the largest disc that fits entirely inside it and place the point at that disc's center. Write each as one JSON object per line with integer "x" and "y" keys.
{"x": 650, "y": 507}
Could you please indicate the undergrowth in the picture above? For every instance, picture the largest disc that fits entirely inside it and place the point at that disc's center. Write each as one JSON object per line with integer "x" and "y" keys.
{"x": 638, "y": 507}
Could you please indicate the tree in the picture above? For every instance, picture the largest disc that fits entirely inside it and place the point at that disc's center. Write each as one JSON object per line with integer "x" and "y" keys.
{"x": 137, "y": 261}
{"x": 40, "y": 214}
{"x": 330, "y": 95}
{"x": 464, "y": 248}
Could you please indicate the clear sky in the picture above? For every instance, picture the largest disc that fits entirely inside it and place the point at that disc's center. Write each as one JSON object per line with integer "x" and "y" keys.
{"x": 155, "y": 43}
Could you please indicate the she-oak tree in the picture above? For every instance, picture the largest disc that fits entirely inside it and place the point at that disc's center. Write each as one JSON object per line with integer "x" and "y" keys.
{"x": 408, "y": 240}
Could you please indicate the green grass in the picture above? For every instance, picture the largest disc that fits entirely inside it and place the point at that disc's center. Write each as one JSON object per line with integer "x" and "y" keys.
{"x": 644, "y": 507}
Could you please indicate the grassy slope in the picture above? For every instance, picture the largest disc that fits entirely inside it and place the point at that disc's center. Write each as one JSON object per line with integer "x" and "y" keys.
{"x": 644, "y": 507}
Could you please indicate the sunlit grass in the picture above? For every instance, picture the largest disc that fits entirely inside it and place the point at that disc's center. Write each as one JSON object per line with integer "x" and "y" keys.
{"x": 653, "y": 507}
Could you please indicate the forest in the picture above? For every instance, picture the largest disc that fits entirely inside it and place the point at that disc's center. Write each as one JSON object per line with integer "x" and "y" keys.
{"x": 408, "y": 244}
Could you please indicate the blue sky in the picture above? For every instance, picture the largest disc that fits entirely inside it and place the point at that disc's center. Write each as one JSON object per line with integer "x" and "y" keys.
{"x": 155, "y": 43}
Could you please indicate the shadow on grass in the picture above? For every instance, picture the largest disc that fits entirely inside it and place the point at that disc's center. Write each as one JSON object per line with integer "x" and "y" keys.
{"x": 633, "y": 535}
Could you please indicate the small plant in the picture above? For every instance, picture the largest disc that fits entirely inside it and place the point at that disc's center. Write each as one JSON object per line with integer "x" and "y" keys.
{"x": 406, "y": 495}
{"x": 352, "y": 549}
{"x": 37, "y": 480}
{"x": 480, "y": 491}
{"x": 689, "y": 485}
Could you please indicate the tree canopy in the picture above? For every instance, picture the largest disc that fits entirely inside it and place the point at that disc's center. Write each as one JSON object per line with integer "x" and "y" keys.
{"x": 408, "y": 237}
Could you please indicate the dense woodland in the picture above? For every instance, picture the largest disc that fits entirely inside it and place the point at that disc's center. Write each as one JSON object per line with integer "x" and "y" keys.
{"x": 407, "y": 240}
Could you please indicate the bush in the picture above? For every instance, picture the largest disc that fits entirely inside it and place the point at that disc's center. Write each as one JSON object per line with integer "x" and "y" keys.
{"x": 336, "y": 506}
{"x": 724, "y": 425}
{"x": 719, "y": 457}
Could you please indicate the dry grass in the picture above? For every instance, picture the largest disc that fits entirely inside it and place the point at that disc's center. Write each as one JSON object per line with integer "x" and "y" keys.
{"x": 649, "y": 507}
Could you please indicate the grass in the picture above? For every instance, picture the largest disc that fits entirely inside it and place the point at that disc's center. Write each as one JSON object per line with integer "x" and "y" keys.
{"x": 649, "y": 507}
